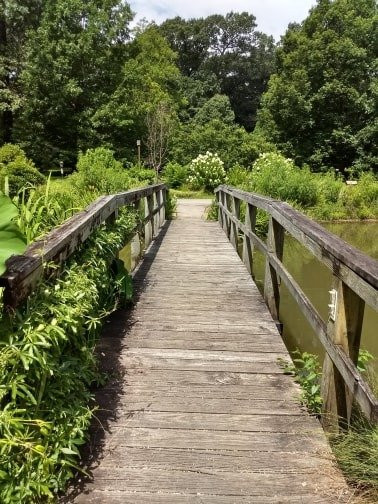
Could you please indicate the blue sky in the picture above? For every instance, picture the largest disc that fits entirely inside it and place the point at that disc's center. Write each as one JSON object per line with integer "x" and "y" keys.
{"x": 273, "y": 16}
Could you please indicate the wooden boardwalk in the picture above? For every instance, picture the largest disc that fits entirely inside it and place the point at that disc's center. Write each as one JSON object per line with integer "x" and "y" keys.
{"x": 198, "y": 410}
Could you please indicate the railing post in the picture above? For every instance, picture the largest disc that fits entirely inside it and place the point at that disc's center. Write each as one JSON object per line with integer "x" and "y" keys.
{"x": 224, "y": 215}
{"x": 344, "y": 329}
{"x": 156, "y": 216}
{"x": 149, "y": 225}
{"x": 250, "y": 224}
{"x": 234, "y": 229}
{"x": 161, "y": 205}
{"x": 275, "y": 241}
{"x": 218, "y": 196}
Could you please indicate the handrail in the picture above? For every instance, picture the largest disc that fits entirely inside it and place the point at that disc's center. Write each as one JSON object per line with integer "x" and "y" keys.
{"x": 355, "y": 281}
{"x": 23, "y": 271}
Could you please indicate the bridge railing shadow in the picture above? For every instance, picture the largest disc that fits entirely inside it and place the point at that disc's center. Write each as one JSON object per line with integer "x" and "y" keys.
{"x": 108, "y": 396}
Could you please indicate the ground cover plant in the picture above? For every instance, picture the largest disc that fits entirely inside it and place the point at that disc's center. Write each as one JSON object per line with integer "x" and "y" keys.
{"x": 48, "y": 365}
{"x": 356, "y": 449}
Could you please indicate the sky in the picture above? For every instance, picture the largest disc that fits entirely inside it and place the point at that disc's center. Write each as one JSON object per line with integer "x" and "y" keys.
{"x": 272, "y": 16}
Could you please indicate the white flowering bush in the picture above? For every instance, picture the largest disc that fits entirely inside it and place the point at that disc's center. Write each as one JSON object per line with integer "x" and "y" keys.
{"x": 206, "y": 172}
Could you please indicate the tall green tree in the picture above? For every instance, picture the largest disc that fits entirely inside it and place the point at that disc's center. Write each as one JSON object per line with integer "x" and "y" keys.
{"x": 74, "y": 61}
{"x": 226, "y": 53}
{"x": 17, "y": 19}
{"x": 321, "y": 105}
{"x": 149, "y": 82}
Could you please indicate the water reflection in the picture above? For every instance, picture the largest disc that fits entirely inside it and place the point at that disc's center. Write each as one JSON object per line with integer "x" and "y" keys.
{"x": 315, "y": 279}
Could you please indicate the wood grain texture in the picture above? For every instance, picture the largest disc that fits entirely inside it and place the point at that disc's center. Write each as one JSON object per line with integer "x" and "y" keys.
{"x": 356, "y": 272}
{"x": 197, "y": 409}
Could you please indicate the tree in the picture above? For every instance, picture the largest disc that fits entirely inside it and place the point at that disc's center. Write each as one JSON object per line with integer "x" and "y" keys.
{"x": 231, "y": 142}
{"x": 149, "y": 78}
{"x": 218, "y": 107}
{"x": 320, "y": 106}
{"x": 159, "y": 130}
{"x": 17, "y": 19}
{"x": 225, "y": 50}
{"x": 74, "y": 61}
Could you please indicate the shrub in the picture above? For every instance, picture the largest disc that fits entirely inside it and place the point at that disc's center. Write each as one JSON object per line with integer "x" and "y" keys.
{"x": 362, "y": 198}
{"x": 11, "y": 152}
{"x": 206, "y": 172}
{"x": 278, "y": 177}
{"x": 100, "y": 172}
{"x": 18, "y": 169}
{"x": 239, "y": 177}
{"x": 142, "y": 174}
{"x": 329, "y": 187}
{"x": 175, "y": 175}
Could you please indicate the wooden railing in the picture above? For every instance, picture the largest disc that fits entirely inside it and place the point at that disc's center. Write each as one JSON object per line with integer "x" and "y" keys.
{"x": 355, "y": 282}
{"x": 24, "y": 271}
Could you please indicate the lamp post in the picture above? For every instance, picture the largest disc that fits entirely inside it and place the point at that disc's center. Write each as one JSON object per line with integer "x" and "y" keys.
{"x": 138, "y": 145}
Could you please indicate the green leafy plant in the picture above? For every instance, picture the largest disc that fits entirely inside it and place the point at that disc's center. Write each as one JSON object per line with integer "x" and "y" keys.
{"x": 18, "y": 169}
{"x": 212, "y": 211}
{"x": 170, "y": 206}
{"x": 48, "y": 366}
{"x": 307, "y": 372}
{"x": 39, "y": 212}
{"x": 142, "y": 174}
{"x": 364, "y": 357}
{"x": 175, "y": 175}
{"x": 12, "y": 240}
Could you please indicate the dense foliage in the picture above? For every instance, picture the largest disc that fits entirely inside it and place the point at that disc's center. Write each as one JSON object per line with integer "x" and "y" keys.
{"x": 322, "y": 196}
{"x": 17, "y": 171}
{"x": 47, "y": 366}
{"x": 12, "y": 241}
{"x": 222, "y": 54}
{"x": 321, "y": 103}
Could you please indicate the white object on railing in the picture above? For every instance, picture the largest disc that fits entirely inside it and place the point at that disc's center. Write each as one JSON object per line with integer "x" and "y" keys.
{"x": 332, "y": 306}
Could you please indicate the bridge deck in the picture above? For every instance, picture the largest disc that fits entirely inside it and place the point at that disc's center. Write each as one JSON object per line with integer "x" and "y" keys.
{"x": 199, "y": 411}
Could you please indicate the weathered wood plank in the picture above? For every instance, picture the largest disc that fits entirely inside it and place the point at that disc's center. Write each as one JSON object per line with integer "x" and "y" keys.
{"x": 127, "y": 497}
{"x": 197, "y": 408}
{"x": 214, "y": 483}
{"x": 207, "y": 460}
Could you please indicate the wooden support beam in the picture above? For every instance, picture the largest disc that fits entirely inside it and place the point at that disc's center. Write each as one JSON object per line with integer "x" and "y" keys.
{"x": 344, "y": 331}
{"x": 149, "y": 217}
{"x": 275, "y": 243}
{"x": 234, "y": 228}
{"x": 248, "y": 247}
{"x": 224, "y": 216}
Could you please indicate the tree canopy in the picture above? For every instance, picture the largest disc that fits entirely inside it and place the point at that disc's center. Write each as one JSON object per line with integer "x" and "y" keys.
{"x": 321, "y": 104}
{"x": 223, "y": 54}
{"x": 74, "y": 75}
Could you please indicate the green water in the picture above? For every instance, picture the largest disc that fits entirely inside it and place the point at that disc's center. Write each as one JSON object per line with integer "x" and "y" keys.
{"x": 315, "y": 279}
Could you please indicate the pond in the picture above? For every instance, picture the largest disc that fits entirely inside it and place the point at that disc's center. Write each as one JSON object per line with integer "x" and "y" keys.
{"x": 315, "y": 279}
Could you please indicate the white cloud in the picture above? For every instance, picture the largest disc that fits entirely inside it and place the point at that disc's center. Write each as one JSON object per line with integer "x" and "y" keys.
{"x": 273, "y": 16}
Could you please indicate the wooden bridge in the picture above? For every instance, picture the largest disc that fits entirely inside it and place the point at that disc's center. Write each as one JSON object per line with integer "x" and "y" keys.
{"x": 198, "y": 409}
